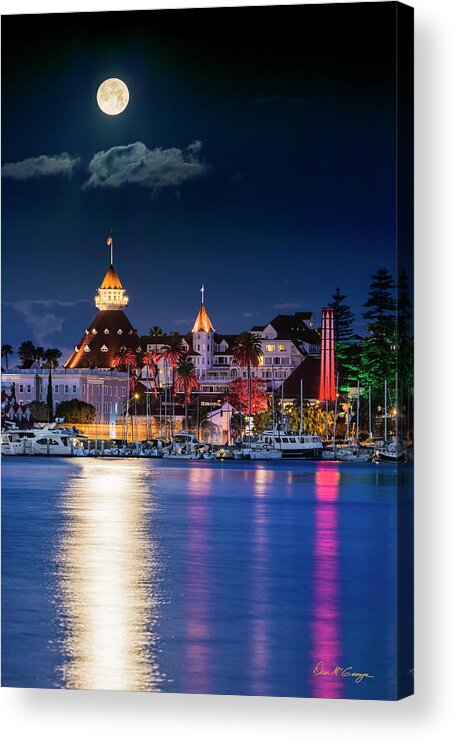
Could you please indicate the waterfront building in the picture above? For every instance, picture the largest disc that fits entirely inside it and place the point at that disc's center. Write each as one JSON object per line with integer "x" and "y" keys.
{"x": 286, "y": 341}
{"x": 106, "y": 390}
{"x": 110, "y": 332}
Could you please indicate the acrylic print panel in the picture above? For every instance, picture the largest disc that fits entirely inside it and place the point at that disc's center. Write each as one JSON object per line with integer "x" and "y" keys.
{"x": 207, "y": 431}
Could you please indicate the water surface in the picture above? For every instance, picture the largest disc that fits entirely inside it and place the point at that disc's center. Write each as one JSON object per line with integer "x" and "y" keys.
{"x": 202, "y": 577}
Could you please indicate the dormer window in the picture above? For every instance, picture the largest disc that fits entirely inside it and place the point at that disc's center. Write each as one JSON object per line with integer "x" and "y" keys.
{"x": 104, "y": 349}
{"x": 119, "y": 332}
{"x": 87, "y": 349}
{"x": 94, "y": 331}
{"x": 76, "y": 348}
{"x": 106, "y": 331}
{"x": 130, "y": 332}
{"x": 86, "y": 332}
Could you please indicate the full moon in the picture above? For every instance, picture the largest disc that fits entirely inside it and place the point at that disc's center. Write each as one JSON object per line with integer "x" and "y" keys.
{"x": 112, "y": 96}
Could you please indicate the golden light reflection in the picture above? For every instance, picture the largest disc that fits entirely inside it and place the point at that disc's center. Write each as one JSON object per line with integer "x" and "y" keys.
{"x": 106, "y": 571}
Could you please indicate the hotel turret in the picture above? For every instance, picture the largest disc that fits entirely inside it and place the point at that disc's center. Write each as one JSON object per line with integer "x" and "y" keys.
{"x": 110, "y": 332}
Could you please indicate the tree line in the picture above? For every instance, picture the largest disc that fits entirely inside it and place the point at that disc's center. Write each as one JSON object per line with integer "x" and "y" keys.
{"x": 29, "y": 353}
{"x": 385, "y": 353}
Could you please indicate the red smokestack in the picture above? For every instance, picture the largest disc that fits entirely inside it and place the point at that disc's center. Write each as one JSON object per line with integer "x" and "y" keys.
{"x": 327, "y": 382}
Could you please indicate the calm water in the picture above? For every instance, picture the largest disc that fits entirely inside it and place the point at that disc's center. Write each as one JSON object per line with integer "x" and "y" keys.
{"x": 200, "y": 577}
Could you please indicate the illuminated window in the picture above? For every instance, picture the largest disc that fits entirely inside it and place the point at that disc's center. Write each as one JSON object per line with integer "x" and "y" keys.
{"x": 270, "y": 348}
{"x": 281, "y": 347}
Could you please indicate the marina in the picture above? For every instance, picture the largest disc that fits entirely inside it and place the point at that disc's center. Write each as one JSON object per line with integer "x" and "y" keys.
{"x": 54, "y": 439}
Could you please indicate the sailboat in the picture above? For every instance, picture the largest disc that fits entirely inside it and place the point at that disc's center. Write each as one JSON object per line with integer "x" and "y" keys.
{"x": 390, "y": 449}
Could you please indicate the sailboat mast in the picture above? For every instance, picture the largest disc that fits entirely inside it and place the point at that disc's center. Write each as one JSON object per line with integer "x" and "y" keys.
{"x": 335, "y": 415}
{"x": 370, "y": 433}
{"x": 358, "y": 412}
{"x": 385, "y": 410}
{"x": 396, "y": 404}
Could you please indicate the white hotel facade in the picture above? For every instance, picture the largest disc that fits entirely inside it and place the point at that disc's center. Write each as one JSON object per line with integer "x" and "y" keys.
{"x": 285, "y": 341}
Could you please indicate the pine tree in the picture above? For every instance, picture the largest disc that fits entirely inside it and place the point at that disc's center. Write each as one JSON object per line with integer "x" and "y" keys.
{"x": 343, "y": 318}
{"x": 405, "y": 343}
{"x": 378, "y": 351}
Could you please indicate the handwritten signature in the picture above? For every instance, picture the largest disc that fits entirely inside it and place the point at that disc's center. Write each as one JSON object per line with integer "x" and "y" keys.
{"x": 343, "y": 672}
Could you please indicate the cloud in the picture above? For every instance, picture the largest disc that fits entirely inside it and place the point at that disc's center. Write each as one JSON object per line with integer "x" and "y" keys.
{"x": 155, "y": 169}
{"x": 292, "y": 305}
{"x": 36, "y": 167}
{"x": 250, "y": 314}
{"x": 41, "y": 317}
{"x": 189, "y": 321}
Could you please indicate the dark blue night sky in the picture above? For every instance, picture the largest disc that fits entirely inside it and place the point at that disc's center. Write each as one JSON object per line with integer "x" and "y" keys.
{"x": 273, "y": 183}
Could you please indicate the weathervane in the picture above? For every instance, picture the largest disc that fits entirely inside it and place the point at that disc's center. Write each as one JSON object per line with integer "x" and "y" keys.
{"x": 202, "y": 294}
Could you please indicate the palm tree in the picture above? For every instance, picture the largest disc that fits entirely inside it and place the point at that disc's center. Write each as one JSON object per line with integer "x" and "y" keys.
{"x": 151, "y": 360}
{"x": 156, "y": 331}
{"x": 186, "y": 382}
{"x": 40, "y": 354}
{"x": 7, "y": 350}
{"x": 26, "y": 353}
{"x": 51, "y": 357}
{"x": 247, "y": 351}
{"x": 173, "y": 353}
{"x": 125, "y": 358}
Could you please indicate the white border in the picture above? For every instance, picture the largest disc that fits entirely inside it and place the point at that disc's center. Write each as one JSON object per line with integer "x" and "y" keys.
{"x": 64, "y": 715}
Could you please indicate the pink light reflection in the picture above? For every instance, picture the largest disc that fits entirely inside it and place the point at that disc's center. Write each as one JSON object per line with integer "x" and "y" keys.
{"x": 325, "y": 630}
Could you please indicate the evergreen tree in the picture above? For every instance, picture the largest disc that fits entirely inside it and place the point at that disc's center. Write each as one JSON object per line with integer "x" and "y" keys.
{"x": 405, "y": 356}
{"x": 404, "y": 339}
{"x": 378, "y": 350}
{"x": 50, "y": 397}
{"x": 343, "y": 318}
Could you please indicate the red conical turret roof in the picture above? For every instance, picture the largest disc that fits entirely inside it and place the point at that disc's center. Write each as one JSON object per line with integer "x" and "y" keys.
{"x": 203, "y": 323}
{"x": 111, "y": 279}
